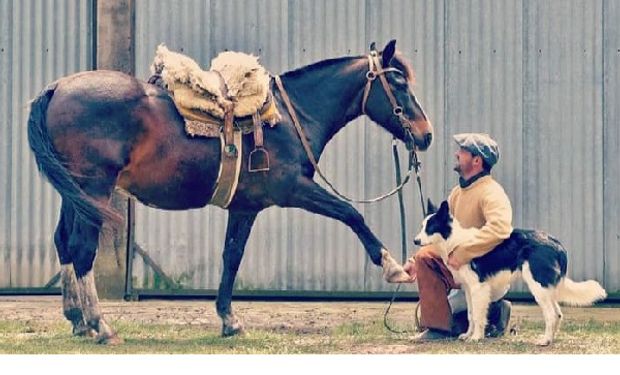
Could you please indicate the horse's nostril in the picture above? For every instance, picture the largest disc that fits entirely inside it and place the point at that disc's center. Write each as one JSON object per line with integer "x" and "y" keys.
{"x": 428, "y": 138}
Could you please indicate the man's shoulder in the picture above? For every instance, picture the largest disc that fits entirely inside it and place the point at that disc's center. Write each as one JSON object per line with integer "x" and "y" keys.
{"x": 488, "y": 182}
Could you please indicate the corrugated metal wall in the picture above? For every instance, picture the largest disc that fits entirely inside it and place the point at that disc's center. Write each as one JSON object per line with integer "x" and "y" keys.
{"x": 40, "y": 41}
{"x": 611, "y": 143}
{"x": 541, "y": 77}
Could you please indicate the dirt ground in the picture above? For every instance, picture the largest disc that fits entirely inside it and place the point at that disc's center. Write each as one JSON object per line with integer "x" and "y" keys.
{"x": 302, "y": 317}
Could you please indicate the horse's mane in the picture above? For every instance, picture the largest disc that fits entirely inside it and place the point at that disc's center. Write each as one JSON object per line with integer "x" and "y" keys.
{"x": 318, "y": 65}
{"x": 399, "y": 61}
{"x": 402, "y": 63}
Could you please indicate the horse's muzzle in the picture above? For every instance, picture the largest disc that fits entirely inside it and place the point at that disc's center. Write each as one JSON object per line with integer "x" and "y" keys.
{"x": 425, "y": 142}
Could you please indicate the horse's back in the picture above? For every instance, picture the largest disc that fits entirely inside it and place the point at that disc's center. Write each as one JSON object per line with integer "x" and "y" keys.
{"x": 101, "y": 86}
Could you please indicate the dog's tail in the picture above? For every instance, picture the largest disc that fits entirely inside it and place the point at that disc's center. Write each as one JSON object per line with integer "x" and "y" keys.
{"x": 582, "y": 293}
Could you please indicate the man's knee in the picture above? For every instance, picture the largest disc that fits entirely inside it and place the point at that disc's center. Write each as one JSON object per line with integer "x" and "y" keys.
{"x": 426, "y": 254}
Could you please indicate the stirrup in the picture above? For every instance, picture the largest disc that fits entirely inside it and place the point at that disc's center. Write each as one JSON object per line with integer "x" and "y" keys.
{"x": 262, "y": 162}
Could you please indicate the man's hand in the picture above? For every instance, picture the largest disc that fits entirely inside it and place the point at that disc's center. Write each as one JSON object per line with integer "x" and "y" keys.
{"x": 409, "y": 267}
{"x": 453, "y": 262}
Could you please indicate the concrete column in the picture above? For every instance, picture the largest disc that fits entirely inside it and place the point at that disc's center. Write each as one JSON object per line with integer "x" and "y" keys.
{"x": 114, "y": 43}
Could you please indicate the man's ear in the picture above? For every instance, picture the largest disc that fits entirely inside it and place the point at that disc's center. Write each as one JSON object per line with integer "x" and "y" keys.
{"x": 480, "y": 161}
{"x": 430, "y": 207}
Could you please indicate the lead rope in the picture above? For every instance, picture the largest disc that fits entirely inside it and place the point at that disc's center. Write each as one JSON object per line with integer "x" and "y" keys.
{"x": 413, "y": 159}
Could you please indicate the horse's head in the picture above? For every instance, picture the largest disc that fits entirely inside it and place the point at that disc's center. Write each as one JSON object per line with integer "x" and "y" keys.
{"x": 389, "y": 99}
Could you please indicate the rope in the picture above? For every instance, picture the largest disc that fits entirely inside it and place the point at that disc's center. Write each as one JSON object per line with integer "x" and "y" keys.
{"x": 416, "y": 164}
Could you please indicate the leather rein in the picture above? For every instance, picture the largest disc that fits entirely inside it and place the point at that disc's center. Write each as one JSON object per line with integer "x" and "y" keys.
{"x": 374, "y": 70}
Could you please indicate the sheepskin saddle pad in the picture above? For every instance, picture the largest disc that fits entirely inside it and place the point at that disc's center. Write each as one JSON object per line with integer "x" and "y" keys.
{"x": 234, "y": 78}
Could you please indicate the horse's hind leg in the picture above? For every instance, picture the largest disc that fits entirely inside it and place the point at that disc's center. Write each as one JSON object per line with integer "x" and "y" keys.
{"x": 72, "y": 308}
{"x": 237, "y": 233}
{"x": 83, "y": 247}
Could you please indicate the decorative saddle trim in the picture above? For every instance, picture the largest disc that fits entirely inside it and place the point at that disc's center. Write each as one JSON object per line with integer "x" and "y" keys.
{"x": 198, "y": 123}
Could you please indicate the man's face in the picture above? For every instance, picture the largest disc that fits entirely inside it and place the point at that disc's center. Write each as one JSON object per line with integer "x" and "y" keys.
{"x": 464, "y": 162}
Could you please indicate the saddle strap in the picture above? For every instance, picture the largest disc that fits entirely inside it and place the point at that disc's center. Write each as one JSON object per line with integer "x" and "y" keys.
{"x": 258, "y": 130}
{"x": 229, "y": 118}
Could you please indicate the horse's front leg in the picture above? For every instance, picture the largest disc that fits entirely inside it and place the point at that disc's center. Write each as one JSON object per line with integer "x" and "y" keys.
{"x": 237, "y": 233}
{"x": 312, "y": 197}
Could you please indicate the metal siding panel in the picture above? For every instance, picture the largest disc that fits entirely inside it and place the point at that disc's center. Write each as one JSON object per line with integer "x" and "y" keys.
{"x": 335, "y": 259}
{"x": 418, "y": 28}
{"x": 484, "y": 65}
{"x": 563, "y": 191}
{"x": 36, "y": 49}
{"x": 611, "y": 121}
{"x": 6, "y": 144}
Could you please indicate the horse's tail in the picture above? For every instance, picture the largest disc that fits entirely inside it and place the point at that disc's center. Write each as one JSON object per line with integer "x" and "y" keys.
{"x": 48, "y": 162}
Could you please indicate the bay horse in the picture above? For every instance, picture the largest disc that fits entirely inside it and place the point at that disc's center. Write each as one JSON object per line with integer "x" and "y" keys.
{"x": 95, "y": 131}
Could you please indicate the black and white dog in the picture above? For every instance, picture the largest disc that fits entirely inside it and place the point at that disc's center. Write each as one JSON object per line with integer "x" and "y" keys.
{"x": 539, "y": 258}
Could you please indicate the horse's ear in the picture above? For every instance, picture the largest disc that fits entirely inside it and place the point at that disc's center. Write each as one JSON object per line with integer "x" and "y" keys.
{"x": 430, "y": 207}
{"x": 373, "y": 46}
{"x": 388, "y": 52}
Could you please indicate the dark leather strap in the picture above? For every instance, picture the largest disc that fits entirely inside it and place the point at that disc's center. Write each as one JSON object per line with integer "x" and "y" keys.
{"x": 258, "y": 130}
{"x": 229, "y": 117}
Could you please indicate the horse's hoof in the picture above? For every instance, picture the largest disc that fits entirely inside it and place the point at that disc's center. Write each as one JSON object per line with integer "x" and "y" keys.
{"x": 543, "y": 342}
{"x": 232, "y": 326}
{"x": 84, "y": 331}
{"x": 392, "y": 271}
{"x": 109, "y": 340}
{"x": 232, "y": 330}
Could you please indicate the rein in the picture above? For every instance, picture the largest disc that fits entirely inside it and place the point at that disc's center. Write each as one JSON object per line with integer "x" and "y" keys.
{"x": 374, "y": 71}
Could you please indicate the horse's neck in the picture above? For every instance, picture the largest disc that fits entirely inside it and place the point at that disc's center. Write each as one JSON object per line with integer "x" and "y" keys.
{"x": 326, "y": 100}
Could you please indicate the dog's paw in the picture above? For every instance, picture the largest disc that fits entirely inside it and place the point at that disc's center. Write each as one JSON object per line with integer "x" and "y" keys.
{"x": 474, "y": 338}
{"x": 544, "y": 341}
{"x": 464, "y": 336}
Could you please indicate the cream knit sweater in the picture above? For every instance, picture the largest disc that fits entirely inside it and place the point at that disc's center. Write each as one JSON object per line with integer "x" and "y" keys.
{"x": 483, "y": 205}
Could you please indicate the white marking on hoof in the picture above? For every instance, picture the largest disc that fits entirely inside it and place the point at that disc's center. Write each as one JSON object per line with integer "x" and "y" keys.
{"x": 231, "y": 325}
{"x": 107, "y": 335}
{"x": 392, "y": 271}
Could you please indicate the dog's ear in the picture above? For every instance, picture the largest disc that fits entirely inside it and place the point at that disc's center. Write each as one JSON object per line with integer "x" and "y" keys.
{"x": 373, "y": 46}
{"x": 430, "y": 207}
{"x": 444, "y": 210}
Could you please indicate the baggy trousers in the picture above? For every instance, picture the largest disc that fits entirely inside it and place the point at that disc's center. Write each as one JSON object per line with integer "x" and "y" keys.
{"x": 434, "y": 283}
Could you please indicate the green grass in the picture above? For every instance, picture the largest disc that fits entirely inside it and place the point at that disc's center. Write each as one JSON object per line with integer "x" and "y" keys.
{"x": 17, "y": 337}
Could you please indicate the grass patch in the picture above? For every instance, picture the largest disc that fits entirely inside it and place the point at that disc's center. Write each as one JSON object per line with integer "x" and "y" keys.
{"x": 18, "y": 337}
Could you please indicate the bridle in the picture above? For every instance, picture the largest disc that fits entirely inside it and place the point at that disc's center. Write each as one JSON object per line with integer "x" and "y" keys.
{"x": 374, "y": 70}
